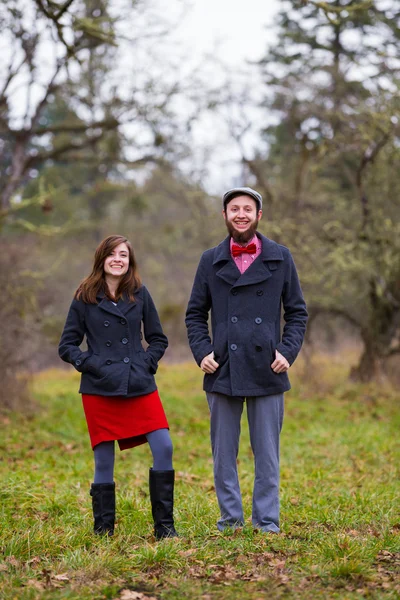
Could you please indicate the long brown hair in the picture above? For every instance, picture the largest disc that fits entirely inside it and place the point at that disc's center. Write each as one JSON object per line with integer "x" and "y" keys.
{"x": 95, "y": 283}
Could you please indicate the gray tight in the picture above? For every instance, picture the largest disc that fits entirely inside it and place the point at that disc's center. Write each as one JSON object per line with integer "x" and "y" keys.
{"x": 160, "y": 445}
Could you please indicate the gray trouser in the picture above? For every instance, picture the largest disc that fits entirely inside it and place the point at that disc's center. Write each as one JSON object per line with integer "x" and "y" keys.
{"x": 265, "y": 418}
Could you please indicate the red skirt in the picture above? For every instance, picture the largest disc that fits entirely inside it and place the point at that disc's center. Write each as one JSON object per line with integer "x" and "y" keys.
{"x": 126, "y": 420}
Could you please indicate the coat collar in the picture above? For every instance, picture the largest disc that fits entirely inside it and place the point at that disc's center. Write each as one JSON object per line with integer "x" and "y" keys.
{"x": 122, "y": 307}
{"x": 257, "y": 272}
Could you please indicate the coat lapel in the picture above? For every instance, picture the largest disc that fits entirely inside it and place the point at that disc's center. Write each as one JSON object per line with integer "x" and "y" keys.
{"x": 261, "y": 268}
{"x": 228, "y": 270}
{"x": 109, "y": 307}
{"x": 119, "y": 310}
{"x": 125, "y": 305}
{"x": 259, "y": 271}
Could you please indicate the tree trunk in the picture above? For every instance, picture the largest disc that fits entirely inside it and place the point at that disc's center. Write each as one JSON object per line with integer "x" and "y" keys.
{"x": 369, "y": 367}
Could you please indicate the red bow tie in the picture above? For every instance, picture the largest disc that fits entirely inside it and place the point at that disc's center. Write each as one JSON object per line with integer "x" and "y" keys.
{"x": 238, "y": 250}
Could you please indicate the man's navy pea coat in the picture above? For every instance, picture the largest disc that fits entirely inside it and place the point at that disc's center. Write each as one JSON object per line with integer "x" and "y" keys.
{"x": 246, "y": 319}
{"x": 115, "y": 363}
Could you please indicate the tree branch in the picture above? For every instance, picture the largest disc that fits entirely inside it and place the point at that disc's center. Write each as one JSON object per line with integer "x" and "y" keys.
{"x": 315, "y": 311}
{"x": 60, "y": 150}
{"x": 11, "y": 74}
{"x": 55, "y": 18}
{"x": 259, "y": 172}
{"x": 63, "y": 9}
{"x": 393, "y": 351}
{"x": 50, "y": 88}
{"x": 78, "y": 128}
{"x": 368, "y": 157}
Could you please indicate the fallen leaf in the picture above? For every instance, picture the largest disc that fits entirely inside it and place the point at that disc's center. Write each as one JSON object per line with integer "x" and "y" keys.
{"x": 33, "y": 561}
{"x": 188, "y": 552}
{"x": 61, "y": 577}
{"x": 38, "y": 585}
{"x": 132, "y": 595}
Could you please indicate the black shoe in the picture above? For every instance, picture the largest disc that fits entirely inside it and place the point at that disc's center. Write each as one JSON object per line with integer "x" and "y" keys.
{"x": 162, "y": 503}
{"x": 103, "y": 503}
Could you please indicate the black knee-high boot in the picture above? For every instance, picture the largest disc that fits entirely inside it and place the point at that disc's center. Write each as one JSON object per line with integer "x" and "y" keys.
{"x": 103, "y": 503}
{"x": 162, "y": 502}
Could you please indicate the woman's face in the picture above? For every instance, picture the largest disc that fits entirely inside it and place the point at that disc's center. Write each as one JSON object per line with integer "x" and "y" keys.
{"x": 117, "y": 262}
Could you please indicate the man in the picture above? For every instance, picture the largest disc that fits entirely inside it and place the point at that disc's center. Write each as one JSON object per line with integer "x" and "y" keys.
{"x": 245, "y": 281}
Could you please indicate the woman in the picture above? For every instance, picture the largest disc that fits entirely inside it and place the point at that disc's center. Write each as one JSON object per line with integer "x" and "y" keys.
{"x": 119, "y": 393}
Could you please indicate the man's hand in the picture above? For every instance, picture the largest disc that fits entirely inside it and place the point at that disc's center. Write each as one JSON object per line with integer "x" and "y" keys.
{"x": 208, "y": 364}
{"x": 280, "y": 364}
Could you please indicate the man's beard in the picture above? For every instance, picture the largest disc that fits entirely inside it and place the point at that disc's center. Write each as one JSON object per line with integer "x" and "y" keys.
{"x": 242, "y": 237}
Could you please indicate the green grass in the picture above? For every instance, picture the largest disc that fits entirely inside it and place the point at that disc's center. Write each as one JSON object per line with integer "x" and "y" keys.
{"x": 340, "y": 515}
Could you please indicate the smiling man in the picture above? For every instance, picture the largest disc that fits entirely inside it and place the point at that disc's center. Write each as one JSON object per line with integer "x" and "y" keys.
{"x": 246, "y": 282}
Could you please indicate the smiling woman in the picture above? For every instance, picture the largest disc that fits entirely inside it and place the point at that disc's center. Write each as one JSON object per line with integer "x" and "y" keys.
{"x": 119, "y": 392}
{"x": 116, "y": 264}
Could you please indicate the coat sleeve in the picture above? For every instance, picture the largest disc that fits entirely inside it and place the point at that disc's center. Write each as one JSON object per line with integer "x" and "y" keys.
{"x": 153, "y": 333}
{"x": 294, "y": 313}
{"x": 72, "y": 336}
{"x": 197, "y": 314}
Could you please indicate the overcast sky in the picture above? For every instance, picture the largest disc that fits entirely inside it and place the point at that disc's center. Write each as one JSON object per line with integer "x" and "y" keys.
{"x": 236, "y": 30}
{"x": 233, "y": 33}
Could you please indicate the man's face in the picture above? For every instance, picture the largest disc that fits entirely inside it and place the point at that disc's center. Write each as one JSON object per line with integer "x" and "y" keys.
{"x": 241, "y": 218}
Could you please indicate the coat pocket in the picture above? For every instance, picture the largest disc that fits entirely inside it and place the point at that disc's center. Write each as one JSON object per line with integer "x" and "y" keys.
{"x": 220, "y": 344}
{"x": 92, "y": 365}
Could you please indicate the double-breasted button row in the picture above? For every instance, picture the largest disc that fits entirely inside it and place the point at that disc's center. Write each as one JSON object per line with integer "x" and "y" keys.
{"x": 235, "y": 292}
{"x": 107, "y": 323}
{"x": 257, "y": 320}
{"x": 123, "y": 341}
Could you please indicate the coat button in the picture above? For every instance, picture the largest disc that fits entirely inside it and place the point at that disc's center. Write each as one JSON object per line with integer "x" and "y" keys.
{"x": 108, "y": 362}
{"x": 123, "y": 321}
{"x": 258, "y": 320}
{"x": 108, "y": 343}
{"x": 234, "y": 292}
{"x": 78, "y": 362}
{"x": 233, "y": 347}
{"x": 124, "y": 340}
{"x": 106, "y": 323}
{"x": 259, "y": 292}
{"x": 234, "y": 319}
{"x": 126, "y": 359}
{"x": 258, "y": 348}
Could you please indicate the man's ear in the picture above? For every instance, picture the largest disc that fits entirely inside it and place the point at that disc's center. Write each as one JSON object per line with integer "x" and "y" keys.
{"x": 259, "y": 214}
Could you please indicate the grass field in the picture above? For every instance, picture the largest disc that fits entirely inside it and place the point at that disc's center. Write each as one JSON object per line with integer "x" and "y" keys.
{"x": 340, "y": 517}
